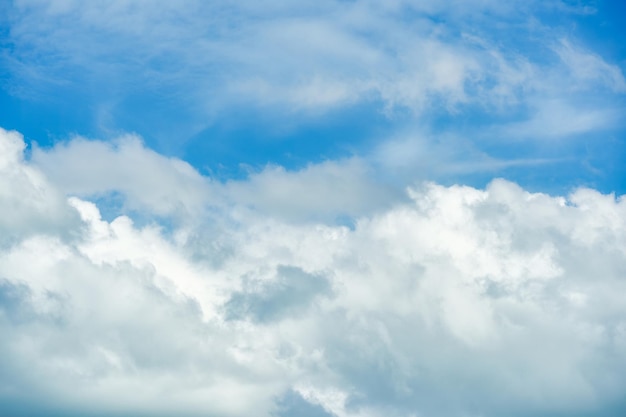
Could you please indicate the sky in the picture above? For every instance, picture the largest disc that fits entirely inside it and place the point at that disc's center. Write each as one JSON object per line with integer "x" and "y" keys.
{"x": 331, "y": 208}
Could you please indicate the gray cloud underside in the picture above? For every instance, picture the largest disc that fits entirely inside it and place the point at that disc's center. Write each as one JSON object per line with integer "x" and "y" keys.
{"x": 445, "y": 301}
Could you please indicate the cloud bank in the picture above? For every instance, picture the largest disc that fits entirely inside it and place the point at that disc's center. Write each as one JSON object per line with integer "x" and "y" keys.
{"x": 444, "y": 301}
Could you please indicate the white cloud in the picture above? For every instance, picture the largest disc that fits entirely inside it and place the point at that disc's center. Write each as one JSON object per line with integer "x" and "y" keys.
{"x": 451, "y": 301}
{"x": 27, "y": 203}
{"x": 154, "y": 184}
{"x": 420, "y": 154}
{"x": 301, "y": 57}
{"x": 561, "y": 119}
{"x": 320, "y": 191}
{"x": 589, "y": 68}
{"x": 149, "y": 181}
{"x": 493, "y": 74}
{"x": 228, "y": 298}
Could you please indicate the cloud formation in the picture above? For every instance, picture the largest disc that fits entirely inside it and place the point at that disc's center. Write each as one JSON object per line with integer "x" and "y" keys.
{"x": 403, "y": 55}
{"x": 439, "y": 90}
{"x": 447, "y": 301}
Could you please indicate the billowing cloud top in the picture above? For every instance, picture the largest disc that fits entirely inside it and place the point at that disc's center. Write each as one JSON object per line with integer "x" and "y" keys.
{"x": 312, "y": 209}
{"x": 448, "y": 301}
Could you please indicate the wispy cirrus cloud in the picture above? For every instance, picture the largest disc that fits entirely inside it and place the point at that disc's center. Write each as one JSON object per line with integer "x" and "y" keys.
{"x": 316, "y": 57}
{"x": 184, "y": 73}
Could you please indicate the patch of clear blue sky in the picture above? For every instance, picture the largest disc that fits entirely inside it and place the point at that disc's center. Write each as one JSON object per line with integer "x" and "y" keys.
{"x": 249, "y": 136}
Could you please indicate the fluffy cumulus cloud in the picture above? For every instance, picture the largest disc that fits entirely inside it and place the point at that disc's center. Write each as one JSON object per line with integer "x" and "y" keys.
{"x": 447, "y": 301}
{"x": 337, "y": 286}
{"x": 147, "y": 179}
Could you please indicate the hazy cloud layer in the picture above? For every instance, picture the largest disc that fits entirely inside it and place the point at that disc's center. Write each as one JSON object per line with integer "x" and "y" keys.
{"x": 200, "y": 59}
{"x": 448, "y": 301}
{"x": 448, "y": 91}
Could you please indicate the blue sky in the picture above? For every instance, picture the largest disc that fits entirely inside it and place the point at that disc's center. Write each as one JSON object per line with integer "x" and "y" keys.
{"x": 222, "y": 85}
{"x": 330, "y": 208}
